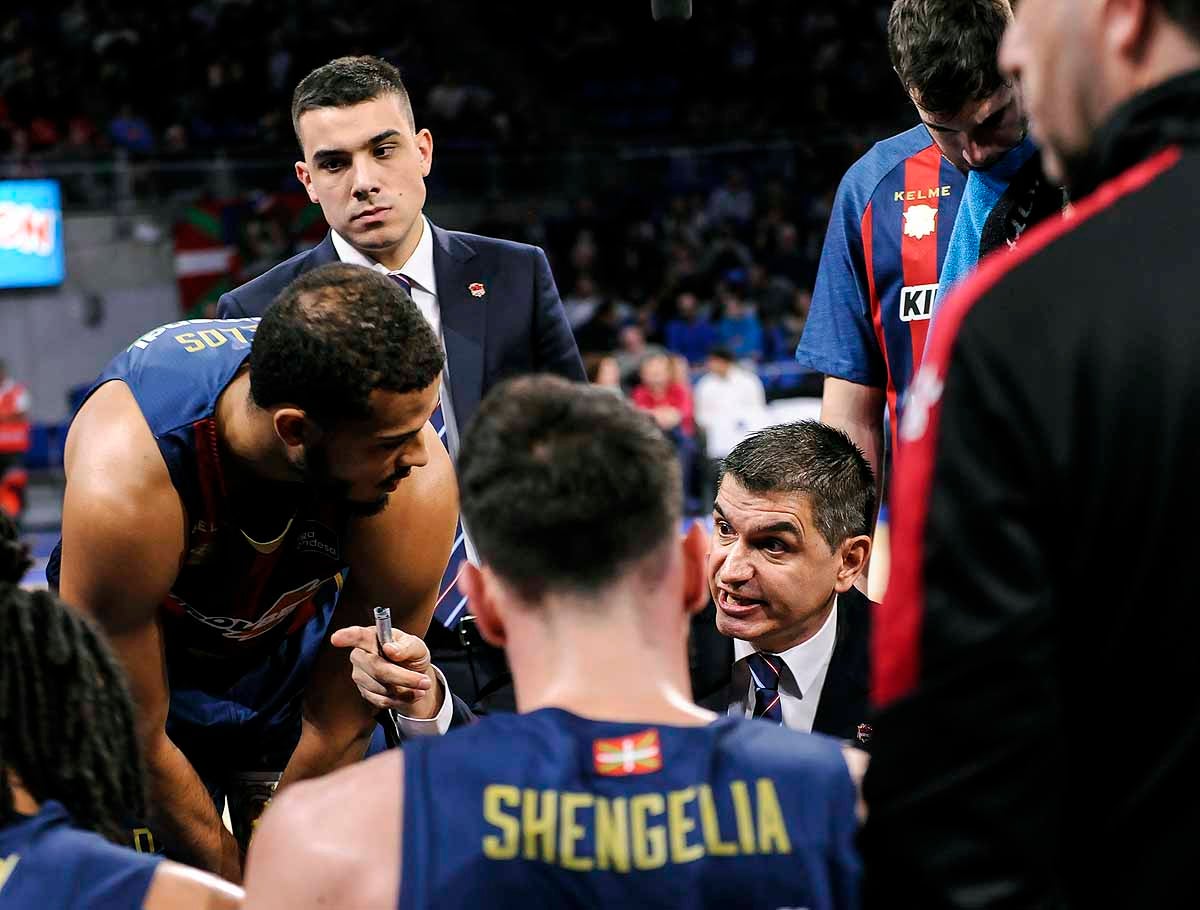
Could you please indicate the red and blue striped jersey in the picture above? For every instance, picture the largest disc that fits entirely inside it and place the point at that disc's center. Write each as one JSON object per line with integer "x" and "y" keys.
{"x": 883, "y": 253}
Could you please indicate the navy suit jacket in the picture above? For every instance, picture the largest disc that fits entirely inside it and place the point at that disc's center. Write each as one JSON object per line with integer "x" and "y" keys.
{"x": 845, "y": 696}
{"x": 518, "y": 326}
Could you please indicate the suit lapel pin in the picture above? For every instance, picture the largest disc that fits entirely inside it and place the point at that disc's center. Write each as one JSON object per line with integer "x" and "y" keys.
{"x": 476, "y": 289}
{"x": 864, "y": 734}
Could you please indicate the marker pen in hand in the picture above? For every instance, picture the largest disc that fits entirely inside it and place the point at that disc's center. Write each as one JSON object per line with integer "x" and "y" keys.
{"x": 383, "y": 627}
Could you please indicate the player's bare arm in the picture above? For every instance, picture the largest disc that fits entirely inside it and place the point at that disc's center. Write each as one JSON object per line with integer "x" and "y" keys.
{"x": 858, "y": 411}
{"x": 175, "y": 886}
{"x": 123, "y": 540}
{"x": 309, "y": 851}
{"x": 396, "y": 559}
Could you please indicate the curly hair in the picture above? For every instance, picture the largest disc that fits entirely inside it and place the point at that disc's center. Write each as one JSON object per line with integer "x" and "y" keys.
{"x": 336, "y": 334}
{"x": 67, "y": 725}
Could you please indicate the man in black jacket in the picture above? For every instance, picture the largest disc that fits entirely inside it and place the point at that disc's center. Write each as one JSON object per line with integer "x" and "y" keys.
{"x": 1040, "y": 723}
{"x": 786, "y": 638}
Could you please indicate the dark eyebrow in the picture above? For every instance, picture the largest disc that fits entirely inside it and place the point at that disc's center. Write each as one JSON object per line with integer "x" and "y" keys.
{"x": 322, "y": 154}
{"x": 397, "y": 437}
{"x": 779, "y": 527}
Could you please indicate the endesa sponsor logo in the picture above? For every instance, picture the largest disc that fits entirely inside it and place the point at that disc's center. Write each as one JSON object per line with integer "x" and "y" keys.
{"x": 27, "y": 229}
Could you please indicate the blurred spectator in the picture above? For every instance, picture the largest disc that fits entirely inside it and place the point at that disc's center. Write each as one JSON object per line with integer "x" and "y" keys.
{"x": 633, "y": 351}
{"x": 739, "y": 329}
{"x": 668, "y": 399}
{"x": 690, "y": 334}
{"x": 582, "y": 302}
{"x": 14, "y": 442}
{"x": 131, "y": 131}
{"x": 601, "y": 333}
{"x": 602, "y": 370}
{"x": 730, "y": 402}
{"x": 732, "y": 201}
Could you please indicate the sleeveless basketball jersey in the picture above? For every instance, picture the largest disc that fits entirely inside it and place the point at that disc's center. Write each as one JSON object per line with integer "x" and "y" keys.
{"x": 243, "y": 621}
{"x": 47, "y": 863}
{"x": 551, "y": 810}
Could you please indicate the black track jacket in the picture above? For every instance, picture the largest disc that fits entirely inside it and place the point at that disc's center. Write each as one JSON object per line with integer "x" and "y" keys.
{"x": 1037, "y": 658}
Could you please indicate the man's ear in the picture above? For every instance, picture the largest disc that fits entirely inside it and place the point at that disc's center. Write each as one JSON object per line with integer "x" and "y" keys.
{"x": 293, "y": 427}
{"x": 424, "y": 140}
{"x": 853, "y": 554}
{"x": 304, "y": 175}
{"x": 478, "y": 587}
{"x": 695, "y": 568}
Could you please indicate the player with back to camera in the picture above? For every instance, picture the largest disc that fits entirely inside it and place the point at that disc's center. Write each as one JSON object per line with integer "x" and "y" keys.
{"x": 609, "y": 787}
{"x": 70, "y": 772}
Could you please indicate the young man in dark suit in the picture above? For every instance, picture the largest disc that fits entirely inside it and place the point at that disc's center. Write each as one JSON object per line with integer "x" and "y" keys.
{"x": 787, "y": 636}
{"x": 493, "y": 303}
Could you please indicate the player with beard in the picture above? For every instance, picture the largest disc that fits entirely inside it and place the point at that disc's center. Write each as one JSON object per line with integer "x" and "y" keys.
{"x": 236, "y": 490}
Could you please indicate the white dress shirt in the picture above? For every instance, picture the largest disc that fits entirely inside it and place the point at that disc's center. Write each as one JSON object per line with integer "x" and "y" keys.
{"x": 420, "y": 274}
{"x": 800, "y": 681}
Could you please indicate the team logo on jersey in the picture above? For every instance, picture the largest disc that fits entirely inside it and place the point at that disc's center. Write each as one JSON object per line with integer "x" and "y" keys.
{"x": 916, "y": 302}
{"x": 919, "y": 221}
{"x": 240, "y": 629}
{"x": 621, "y": 756}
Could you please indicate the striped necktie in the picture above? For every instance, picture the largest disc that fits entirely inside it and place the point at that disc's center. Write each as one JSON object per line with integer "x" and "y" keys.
{"x": 451, "y": 605}
{"x": 764, "y": 673}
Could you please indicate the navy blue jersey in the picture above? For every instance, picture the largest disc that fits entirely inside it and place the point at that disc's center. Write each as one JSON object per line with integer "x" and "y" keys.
{"x": 243, "y": 621}
{"x": 46, "y": 863}
{"x": 551, "y": 810}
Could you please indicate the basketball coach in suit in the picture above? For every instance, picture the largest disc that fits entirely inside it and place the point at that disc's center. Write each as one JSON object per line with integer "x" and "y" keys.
{"x": 493, "y": 302}
{"x": 786, "y": 636}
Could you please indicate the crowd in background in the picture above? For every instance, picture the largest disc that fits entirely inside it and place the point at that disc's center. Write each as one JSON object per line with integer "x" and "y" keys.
{"x": 745, "y": 158}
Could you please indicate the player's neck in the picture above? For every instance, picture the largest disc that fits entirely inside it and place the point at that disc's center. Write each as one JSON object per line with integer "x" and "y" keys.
{"x": 248, "y": 436}
{"x": 605, "y": 664}
{"x": 22, "y": 800}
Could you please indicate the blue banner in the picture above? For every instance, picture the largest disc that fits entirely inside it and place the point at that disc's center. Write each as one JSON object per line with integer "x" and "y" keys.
{"x": 31, "y": 241}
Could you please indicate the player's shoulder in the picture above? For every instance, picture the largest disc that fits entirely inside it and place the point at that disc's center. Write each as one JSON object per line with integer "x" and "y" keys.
{"x": 884, "y": 157}
{"x": 104, "y": 872}
{"x": 779, "y": 752}
{"x": 309, "y": 848}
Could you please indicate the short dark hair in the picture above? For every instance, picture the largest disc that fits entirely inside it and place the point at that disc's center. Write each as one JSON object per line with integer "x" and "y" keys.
{"x": 946, "y": 50}
{"x": 67, "y": 726}
{"x": 815, "y": 459}
{"x": 721, "y": 352}
{"x": 564, "y": 486}
{"x": 347, "y": 81}
{"x": 336, "y": 334}
{"x": 1186, "y": 14}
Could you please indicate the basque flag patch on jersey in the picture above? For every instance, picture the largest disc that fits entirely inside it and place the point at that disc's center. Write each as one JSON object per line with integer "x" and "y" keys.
{"x": 637, "y": 753}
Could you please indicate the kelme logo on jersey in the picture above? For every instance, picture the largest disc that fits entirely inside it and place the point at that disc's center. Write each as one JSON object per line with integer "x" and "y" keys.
{"x": 240, "y": 629}
{"x": 637, "y": 753}
{"x": 916, "y": 301}
{"x": 919, "y": 221}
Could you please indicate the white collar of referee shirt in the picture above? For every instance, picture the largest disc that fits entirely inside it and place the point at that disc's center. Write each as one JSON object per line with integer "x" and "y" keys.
{"x": 418, "y": 269}
{"x": 807, "y": 661}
